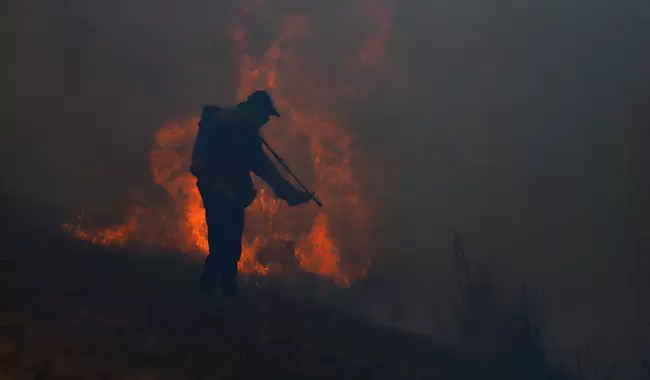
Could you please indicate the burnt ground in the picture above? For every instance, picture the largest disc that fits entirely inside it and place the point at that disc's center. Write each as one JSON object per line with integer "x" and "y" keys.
{"x": 71, "y": 310}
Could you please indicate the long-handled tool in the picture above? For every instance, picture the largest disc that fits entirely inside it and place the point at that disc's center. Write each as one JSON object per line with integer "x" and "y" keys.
{"x": 281, "y": 161}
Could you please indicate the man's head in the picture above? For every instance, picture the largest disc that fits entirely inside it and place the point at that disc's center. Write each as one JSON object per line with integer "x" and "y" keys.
{"x": 262, "y": 104}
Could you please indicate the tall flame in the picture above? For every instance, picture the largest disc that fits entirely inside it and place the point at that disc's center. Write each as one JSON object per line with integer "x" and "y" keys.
{"x": 333, "y": 242}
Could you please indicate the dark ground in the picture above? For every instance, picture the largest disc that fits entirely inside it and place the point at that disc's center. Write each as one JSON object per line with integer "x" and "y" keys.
{"x": 71, "y": 310}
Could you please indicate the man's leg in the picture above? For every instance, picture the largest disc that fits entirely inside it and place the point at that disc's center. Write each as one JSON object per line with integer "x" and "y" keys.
{"x": 232, "y": 251}
{"x": 213, "y": 262}
{"x": 225, "y": 223}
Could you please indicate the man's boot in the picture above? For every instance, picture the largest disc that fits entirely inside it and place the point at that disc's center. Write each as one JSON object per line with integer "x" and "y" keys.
{"x": 211, "y": 271}
{"x": 229, "y": 280}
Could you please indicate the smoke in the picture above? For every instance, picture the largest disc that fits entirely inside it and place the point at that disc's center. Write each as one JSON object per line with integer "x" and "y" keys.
{"x": 522, "y": 124}
{"x": 89, "y": 84}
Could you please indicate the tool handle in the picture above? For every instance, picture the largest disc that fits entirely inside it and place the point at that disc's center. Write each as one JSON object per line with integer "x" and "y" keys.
{"x": 284, "y": 165}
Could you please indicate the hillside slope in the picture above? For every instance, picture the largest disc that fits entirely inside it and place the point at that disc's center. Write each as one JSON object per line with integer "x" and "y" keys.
{"x": 72, "y": 310}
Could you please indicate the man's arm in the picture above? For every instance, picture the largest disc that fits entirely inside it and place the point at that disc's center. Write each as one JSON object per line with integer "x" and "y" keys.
{"x": 264, "y": 168}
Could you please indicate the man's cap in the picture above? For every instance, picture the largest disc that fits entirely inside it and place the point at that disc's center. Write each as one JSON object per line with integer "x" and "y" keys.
{"x": 263, "y": 100}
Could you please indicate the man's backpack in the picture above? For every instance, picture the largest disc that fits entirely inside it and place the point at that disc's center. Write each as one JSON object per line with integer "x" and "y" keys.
{"x": 207, "y": 127}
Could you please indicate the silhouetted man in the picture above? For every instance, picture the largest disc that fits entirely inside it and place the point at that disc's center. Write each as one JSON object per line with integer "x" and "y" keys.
{"x": 228, "y": 148}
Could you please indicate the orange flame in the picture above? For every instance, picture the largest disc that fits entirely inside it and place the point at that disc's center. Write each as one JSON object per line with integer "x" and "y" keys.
{"x": 317, "y": 148}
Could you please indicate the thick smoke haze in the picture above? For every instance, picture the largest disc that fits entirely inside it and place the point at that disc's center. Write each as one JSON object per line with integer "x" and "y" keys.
{"x": 524, "y": 125}
{"x": 90, "y": 83}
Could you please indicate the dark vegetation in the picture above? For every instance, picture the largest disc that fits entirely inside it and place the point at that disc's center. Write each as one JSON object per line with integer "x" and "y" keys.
{"x": 505, "y": 338}
{"x": 71, "y": 310}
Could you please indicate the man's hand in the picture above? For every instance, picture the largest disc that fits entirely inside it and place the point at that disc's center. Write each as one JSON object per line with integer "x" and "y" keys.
{"x": 299, "y": 197}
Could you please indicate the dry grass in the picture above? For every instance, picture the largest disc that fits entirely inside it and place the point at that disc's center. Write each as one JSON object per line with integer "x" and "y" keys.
{"x": 71, "y": 310}
{"x": 77, "y": 311}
